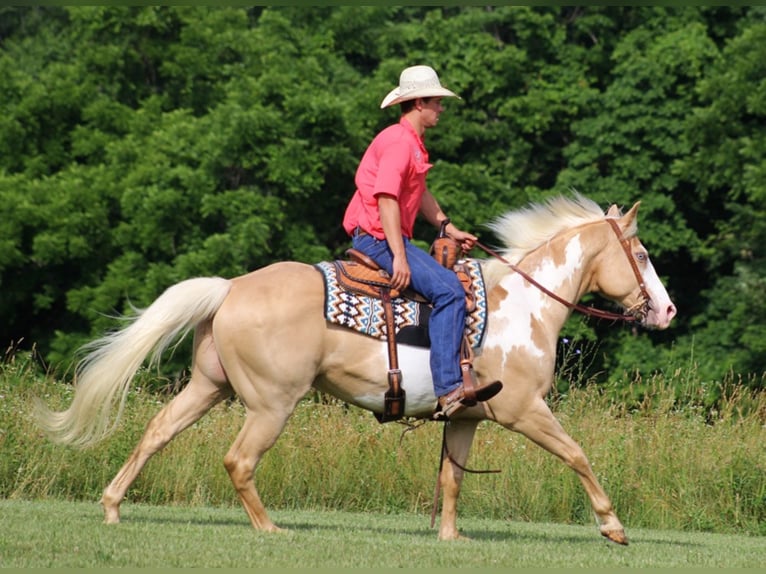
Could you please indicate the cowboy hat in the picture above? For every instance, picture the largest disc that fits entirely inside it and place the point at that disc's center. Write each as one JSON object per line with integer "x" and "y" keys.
{"x": 417, "y": 82}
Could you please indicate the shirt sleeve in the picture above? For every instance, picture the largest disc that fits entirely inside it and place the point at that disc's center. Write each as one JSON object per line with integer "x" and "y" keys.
{"x": 392, "y": 169}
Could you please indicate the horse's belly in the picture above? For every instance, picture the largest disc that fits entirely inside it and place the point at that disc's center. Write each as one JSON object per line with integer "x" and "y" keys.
{"x": 416, "y": 382}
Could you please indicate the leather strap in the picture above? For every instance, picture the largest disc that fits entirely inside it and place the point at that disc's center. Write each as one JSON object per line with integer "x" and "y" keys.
{"x": 363, "y": 258}
{"x": 393, "y": 405}
{"x": 466, "y": 368}
{"x": 626, "y": 247}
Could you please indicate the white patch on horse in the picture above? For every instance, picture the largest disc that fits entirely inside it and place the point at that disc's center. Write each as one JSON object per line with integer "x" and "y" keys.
{"x": 657, "y": 314}
{"x": 511, "y": 326}
{"x": 416, "y": 381}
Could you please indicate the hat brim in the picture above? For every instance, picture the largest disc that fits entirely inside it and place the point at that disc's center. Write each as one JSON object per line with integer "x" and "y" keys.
{"x": 395, "y": 96}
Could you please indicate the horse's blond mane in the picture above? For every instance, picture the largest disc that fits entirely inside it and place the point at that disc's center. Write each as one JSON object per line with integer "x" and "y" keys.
{"x": 523, "y": 230}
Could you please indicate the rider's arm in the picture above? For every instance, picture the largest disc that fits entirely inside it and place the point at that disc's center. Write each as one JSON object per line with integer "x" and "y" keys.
{"x": 429, "y": 208}
{"x": 390, "y": 219}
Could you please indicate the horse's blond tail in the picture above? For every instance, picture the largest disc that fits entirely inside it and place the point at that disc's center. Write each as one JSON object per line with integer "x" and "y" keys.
{"x": 103, "y": 377}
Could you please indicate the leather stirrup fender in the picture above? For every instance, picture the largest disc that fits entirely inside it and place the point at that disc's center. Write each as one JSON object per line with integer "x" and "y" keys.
{"x": 394, "y": 398}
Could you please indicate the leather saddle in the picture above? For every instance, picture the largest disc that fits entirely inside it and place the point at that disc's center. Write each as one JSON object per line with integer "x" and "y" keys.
{"x": 362, "y": 275}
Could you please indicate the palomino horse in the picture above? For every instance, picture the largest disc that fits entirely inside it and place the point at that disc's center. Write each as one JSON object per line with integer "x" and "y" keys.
{"x": 263, "y": 336}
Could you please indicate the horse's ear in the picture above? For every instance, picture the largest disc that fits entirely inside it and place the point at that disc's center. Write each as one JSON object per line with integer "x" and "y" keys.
{"x": 633, "y": 211}
{"x": 614, "y": 211}
{"x": 629, "y": 220}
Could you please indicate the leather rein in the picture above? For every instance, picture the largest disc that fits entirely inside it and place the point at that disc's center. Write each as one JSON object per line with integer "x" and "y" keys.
{"x": 636, "y": 313}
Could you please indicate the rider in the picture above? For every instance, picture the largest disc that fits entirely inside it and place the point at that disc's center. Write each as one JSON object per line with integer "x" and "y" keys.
{"x": 390, "y": 192}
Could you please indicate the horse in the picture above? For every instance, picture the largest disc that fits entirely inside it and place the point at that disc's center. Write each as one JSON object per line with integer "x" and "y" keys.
{"x": 263, "y": 337}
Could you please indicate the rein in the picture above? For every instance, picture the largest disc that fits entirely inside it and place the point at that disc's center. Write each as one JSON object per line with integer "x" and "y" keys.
{"x": 633, "y": 314}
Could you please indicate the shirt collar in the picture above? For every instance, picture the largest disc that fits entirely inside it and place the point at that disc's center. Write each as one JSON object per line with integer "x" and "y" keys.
{"x": 404, "y": 122}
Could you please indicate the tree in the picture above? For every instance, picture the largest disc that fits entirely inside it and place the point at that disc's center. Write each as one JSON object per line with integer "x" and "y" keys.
{"x": 623, "y": 152}
{"x": 727, "y": 166}
{"x": 143, "y": 145}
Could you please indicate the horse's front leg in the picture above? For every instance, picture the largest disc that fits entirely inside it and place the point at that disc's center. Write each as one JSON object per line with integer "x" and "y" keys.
{"x": 539, "y": 425}
{"x": 459, "y": 436}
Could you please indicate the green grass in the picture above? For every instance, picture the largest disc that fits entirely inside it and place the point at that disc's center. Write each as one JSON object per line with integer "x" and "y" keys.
{"x": 70, "y": 534}
{"x": 666, "y": 464}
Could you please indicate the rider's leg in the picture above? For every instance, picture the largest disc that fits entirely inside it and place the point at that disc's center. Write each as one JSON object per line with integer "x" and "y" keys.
{"x": 445, "y": 292}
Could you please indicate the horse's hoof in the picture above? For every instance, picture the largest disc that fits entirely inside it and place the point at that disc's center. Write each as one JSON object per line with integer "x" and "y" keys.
{"x": 616, "y": 536}
{"x": 112, "y": 517}
{"x": 452, "y": 535}
{"x": 111, "y": 514}
{"x": 273, "y": 528}
{"x": 464, "y": 538}
{"x": 458, "y": 538}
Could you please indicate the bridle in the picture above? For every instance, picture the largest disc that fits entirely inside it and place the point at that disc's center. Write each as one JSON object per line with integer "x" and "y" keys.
{"x": 636, "y": 313}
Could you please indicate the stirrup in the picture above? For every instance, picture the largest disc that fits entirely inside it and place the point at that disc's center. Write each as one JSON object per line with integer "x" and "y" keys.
{"x": 483, "y": 393}
{"x": 453, "y": 409}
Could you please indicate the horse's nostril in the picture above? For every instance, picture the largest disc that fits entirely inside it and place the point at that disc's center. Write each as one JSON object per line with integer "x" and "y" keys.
{"x": 671, "y": 312}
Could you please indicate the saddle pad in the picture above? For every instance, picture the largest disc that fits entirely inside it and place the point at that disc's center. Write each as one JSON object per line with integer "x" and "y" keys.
{"x": 365, "y": 314}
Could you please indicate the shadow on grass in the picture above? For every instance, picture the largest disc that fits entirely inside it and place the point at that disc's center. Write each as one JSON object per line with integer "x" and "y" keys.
{"x": 324, "y": 522}
{"x": 586, "y": 536}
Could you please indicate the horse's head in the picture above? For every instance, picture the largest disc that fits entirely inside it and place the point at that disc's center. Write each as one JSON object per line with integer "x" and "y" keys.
{"x": 550, "y": 243}
{"x": 625, "y": 274}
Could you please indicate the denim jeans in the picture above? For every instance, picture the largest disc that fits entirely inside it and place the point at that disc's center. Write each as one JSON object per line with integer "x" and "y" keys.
{"x": 444, "y": 291}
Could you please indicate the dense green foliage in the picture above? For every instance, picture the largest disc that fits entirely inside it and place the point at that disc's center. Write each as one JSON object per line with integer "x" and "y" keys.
{"x": 140, "y": 146}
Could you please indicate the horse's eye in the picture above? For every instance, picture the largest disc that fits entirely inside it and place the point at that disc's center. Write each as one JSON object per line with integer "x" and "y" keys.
{"x": 641, "y": 256}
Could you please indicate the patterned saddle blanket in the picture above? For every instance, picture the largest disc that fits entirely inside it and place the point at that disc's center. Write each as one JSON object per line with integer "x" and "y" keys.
{"x": 365, "y": 314}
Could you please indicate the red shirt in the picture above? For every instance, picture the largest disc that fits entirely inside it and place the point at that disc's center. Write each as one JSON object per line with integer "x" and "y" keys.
{"x": 395, "y": 163}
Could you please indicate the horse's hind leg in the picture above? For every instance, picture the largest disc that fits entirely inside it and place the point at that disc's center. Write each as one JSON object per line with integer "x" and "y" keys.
{"x": 259, "y": 433}
{"x": 540, "y": 426}
{"x": 185, "y": 409}
{"x": 206, "y": 388}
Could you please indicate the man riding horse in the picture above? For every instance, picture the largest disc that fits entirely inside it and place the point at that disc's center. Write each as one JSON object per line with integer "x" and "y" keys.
{"x": 390, "y": 192}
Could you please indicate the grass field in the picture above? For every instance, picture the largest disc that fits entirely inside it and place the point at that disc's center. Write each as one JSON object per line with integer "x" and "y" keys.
{"x": 688, "y": 483}
{"x": 70, "y": 534}
{"x": 665, "y": 466}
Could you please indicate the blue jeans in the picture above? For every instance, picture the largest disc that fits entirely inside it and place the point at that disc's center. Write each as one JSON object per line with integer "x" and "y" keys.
{"x": 444, "y": 291}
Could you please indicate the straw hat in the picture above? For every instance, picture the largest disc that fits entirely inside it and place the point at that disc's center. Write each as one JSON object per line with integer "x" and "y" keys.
{"x": 417, "y": 82}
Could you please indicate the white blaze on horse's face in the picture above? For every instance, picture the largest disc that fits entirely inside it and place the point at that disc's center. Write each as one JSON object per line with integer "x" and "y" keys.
{"x": 661, "y": 309}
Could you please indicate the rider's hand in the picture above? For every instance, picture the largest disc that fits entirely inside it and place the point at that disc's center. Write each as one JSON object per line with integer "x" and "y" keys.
{"x": 465, "y": 239}
{"x": 401, "y": 276}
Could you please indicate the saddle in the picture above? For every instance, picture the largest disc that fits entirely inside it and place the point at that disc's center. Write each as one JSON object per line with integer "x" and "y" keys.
{"x": 362, "y": 275}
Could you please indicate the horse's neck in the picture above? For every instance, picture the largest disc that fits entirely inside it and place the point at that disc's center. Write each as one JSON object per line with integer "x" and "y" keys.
{"x": 525, "y": 323}
{"x": 564, "y": 266}
{"x": 565, "y": 262}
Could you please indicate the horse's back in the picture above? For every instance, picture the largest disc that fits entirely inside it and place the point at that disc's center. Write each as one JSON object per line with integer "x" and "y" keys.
{"x": 274, "y": 296}
{"x": 271, "y": 335}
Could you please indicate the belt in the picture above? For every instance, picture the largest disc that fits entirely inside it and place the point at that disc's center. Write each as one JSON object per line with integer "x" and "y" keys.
{"x": 358, "y": 231}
